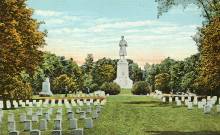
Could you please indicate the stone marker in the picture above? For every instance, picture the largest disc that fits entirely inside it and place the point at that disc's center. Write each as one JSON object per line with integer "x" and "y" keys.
{"x": 164, "y": 100}
{"x": 200, "y": 105}
{"x": 89, "y": 109}
{"x": 88, "y": 123}
{"x": 23, "y": 117}
{"x": 82, "y": 115}
{"x": 95, "y": 114}
{"x": 43, "y": 125}
{"x": 170, "y": 99}
{"x": 78, "y": 131}
{"x": 47, "y": 116}
{"x": 190, "y": 105}
{"x": 35, "y": 132}
{"x": 178, "y": 103}
{"x": 207, "y": 109}
{"x": 218, "y": 108}
{"x": 195, "y": 100}
{"x": 78, "y": 110}
{"x": 189, "y": 98}
{"x": 11, "y": 126}
{"x": 73, "y": 123}
{"x": 57, "y": 124}
{"x": 182, "y": 98}
{"x": 34, "y": 118}
{"x": 59, "y": 116}
{"x": 28, "y": 125}
{"x": 70, "y": 115}
{"x": 11, "y": 117}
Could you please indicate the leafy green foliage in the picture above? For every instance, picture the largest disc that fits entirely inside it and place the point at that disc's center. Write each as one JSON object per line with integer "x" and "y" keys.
{"x": 135, "y": 72}
{"x": 62, "y": 82}
{"x": 111, "y": 88}
{"x": 20, "y": 43}
{"x": 162, "y": 82}
{"x": 140, "y": 88}
{"x": 104, "y": 71}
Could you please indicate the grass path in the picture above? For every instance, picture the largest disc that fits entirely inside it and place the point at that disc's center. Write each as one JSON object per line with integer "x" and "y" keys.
{"x": 141, "y": 115}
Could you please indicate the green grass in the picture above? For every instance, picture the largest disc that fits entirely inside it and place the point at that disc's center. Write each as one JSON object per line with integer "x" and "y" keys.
{"x": 125, "y": 114}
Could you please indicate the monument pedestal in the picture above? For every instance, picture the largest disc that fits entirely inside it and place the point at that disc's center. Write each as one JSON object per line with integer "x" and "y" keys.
{"x": 123, "y": 79}
{"x": 46, "y": 88}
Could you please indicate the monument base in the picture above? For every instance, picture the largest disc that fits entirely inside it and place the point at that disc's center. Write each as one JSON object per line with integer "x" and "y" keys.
{"x": 123, "y": 79}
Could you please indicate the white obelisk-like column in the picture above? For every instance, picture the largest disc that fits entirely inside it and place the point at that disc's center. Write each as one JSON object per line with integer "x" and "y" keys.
{"x": 122, "y": 67}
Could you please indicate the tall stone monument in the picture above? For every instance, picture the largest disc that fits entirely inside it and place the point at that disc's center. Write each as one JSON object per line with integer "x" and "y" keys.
{"x": 46, "y": 88}
{"x": 122, "y": 67}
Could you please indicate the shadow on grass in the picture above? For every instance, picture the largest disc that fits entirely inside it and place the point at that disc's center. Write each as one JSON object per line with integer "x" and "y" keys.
{"x": 184, "y": 133}
{"x": 147, "y": 103}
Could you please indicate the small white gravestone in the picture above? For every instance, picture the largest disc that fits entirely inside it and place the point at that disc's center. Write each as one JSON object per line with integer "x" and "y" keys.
{"x": 23, "y": 117}
{"x": 207, "y": 108}
{"x": 190, "y": 105}
{"x": 95, "y": 114}
{"x": 73, "y": 103}
{"x": 82, "y": 115}
{"x": 209, "y": 102}
{"x": 98, "y": 109}
{"x": 11, "y": 117}
{"x": 89, "y": 109}
{"x": 59, "y": 116}
{"x": 46, "y": 88}
{"x": 15, "y": 104}
{"x": 200, "y": 105}
{"x": 70, "y": 115}
{"x": 39, "y": 112}
{"x": 189, "y": 98}
{"x": 73, "y": 123}
{"x": 176, "y": 98}
{"x": 78, "y": 131}
{"x": 11, "y": 126}
{"x": 178, "y": 103}
{"x": 195, "y": 100}
{"x": 34, "y": 118}
{"x": 1, "y": 105}
{"x": 60, "y": 102}
{"x": 170, "y": 99}
{"x": 182, "y": 98}
{"x": 186, "y": 102}
{"x": 47, "y": 116}
{"x": 164, "y": 99}
{"x": 8, "y": 104}
{"x": 43, "y": 125}
{"x": 59, "y": 111}
{"x": 58, "y": 124}
{"x": 78, "y": 110}
{"x": 35, "y": 132}
{"x": 208, "y": 97}
{"x": 28, "y": 125}
{"x": 218, "y": 108}
{"x": 88, "y": 123}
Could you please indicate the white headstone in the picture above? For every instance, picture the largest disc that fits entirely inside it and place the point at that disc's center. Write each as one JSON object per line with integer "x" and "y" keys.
{"x": 88, "y": 123}
{"x": 43, "y": 125}
{"x": 73, "y": 123}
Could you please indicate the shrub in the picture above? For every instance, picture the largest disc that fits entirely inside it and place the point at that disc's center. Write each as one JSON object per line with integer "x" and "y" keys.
{"x": 111, "y": 88}
{"x": 140, "y": 88}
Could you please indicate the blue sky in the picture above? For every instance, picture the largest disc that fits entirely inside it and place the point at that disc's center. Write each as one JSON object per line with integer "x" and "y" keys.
{"x": 78, "y": 27}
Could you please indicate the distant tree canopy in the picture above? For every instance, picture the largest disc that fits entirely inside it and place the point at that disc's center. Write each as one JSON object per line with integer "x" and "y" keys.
{"x": 206, "y": 77}
{"x": 20, "y": 40}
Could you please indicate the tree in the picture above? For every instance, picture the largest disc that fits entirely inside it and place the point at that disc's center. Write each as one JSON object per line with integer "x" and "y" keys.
{"x": 20, "y": 40}
{"x": 209, "y": 71}
{"x": 63, "y": 81}
{"x": 162, "y": 82}
{"x": 104, "y": 71}
{"x": 88, "y": 65}
{"x": 136, "y": 74}
{"x": 210, "y": 8}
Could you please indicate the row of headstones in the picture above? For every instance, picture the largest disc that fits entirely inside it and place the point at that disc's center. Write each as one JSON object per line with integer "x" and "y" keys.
{"x": 57, "y": 121}
{"x": 51, "y": 102}
{"x": 205, "y": 104}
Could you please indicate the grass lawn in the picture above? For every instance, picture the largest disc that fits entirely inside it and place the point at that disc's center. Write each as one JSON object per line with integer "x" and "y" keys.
{"x": 140, "y": 115}
{"x": 125, "y": 114}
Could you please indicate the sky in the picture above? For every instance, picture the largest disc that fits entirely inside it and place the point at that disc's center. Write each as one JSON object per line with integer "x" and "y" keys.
{"x": 80, "y": 27}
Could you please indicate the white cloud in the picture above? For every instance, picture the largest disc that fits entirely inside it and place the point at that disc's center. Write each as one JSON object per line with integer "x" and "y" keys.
{"x": 47, "y": 13}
